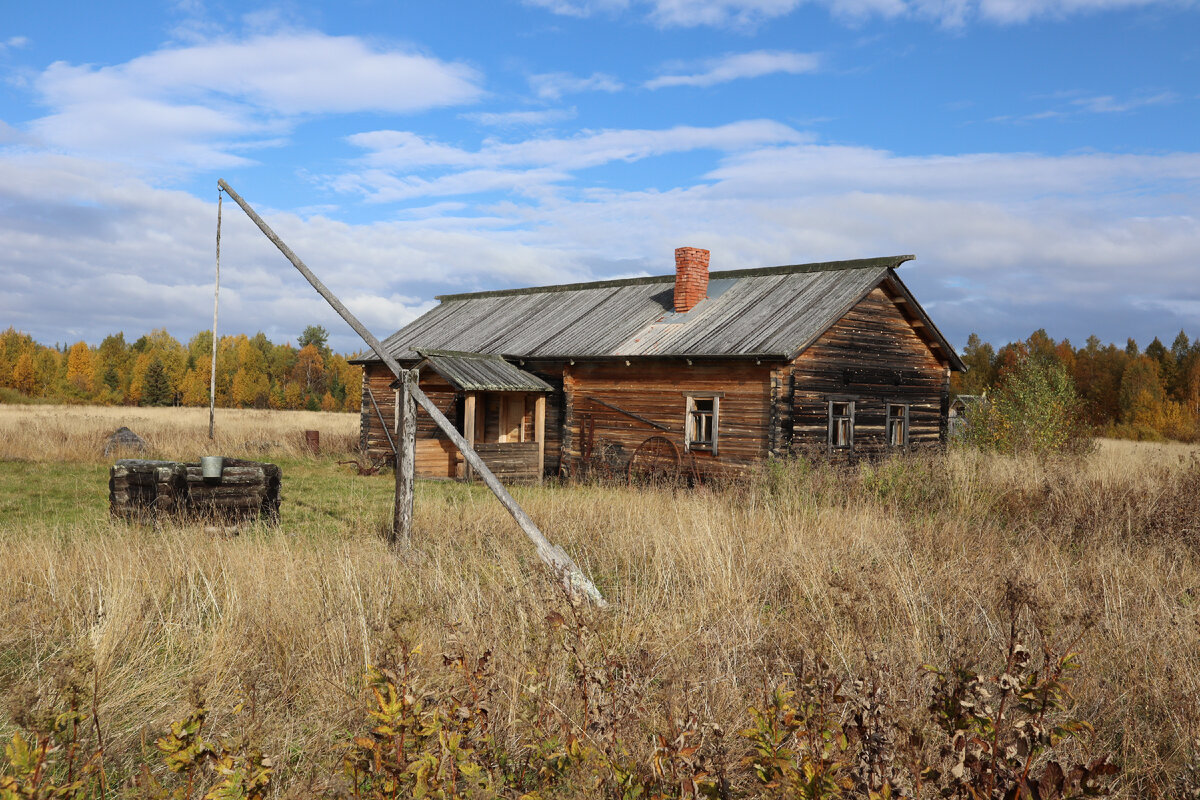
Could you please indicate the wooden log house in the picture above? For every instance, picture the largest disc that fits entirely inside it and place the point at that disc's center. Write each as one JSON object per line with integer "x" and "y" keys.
{"x": 707, "y": 373}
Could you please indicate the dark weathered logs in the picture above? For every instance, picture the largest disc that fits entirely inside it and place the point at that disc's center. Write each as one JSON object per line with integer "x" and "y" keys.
{"x": 150, "y": 489}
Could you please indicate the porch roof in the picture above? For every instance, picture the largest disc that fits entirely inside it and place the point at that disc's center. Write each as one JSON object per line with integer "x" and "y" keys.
{"x": 481, "y": 372}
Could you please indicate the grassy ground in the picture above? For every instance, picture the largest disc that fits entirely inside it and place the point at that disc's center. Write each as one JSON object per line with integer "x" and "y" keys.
{"x": 718, "y": 591}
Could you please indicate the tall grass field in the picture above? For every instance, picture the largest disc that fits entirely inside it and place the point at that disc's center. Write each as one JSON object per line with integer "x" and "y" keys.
{"x": 952, "y": 624}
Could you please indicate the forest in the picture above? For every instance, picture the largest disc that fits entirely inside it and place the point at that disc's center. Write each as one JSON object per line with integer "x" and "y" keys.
{"x": 157, "y": 370}
{"x": 1123, "y": 392}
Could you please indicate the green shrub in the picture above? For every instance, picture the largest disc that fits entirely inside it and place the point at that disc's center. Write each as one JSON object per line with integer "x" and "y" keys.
{"x": 1034, "y": 409}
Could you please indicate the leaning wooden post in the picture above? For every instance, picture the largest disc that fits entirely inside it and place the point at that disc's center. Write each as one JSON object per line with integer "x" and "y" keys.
{"x": 568, "y": 572}
{"x": 406, "y": 440}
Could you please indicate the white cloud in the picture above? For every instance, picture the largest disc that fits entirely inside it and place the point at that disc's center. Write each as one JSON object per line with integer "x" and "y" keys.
{"x": 516, "y": 119}
{"x": 749, "y": 13}
{"x": 735, "y": 66}
{"x": 1006, "y": 243}
{"x": 553, "y": 85}
{"x": 1078, "y": 103}
{"x": 1108, "y": 104}
{"x": 580, "y": 8}
{"x": 87, "y": 251}
{"x": 405, "y": 150}
{"x": 690, "y": 13}
{"x": 198, "y": 105}
{"x": 529, "y": 165}
{"x": 13, "y": 43}
{"x": 1017, "y": 11}
{"x": 380, "y": 186}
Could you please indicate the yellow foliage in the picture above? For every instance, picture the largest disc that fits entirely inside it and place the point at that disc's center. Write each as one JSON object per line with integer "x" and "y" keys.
{"x": 24, "y": 378}
{"x": 80, "y": 366}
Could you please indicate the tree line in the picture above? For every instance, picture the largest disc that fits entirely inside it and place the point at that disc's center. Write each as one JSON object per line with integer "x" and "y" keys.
{"x": 1125, "y": 392}
{"x": 157, "y": 370}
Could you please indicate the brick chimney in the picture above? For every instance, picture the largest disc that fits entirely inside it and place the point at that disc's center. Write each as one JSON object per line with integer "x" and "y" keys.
{"x": 691, "y": 277}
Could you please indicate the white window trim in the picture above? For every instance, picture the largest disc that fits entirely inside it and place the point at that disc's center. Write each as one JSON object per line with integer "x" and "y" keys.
{"x": 689, "y": 428}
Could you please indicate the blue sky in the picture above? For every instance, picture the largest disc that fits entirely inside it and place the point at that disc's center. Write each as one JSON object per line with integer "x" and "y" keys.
{"x": 1040, "y": 157}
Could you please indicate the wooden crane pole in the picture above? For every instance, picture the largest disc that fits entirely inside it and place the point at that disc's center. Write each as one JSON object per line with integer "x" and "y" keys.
{"x": 573, "y": 579}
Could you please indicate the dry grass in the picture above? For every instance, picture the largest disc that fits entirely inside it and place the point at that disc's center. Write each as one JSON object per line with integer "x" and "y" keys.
{"x": 881, "y": 569}
{"x": 78, "y": 433}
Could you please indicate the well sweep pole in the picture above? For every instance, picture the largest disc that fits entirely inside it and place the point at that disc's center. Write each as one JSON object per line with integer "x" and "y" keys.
{"x": 554, "y": 556}
{"x": 212, "y": 380}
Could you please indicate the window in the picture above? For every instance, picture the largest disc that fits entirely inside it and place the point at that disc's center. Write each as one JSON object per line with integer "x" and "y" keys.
{"x": 897, "y": 425}
{"x": 703, "y": 414}
{"x": 841, "y": 424}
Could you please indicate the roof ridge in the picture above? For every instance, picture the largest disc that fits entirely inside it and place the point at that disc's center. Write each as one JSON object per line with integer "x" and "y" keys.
{"x": 425, "y": 352}
{"x": 891, "y": 262}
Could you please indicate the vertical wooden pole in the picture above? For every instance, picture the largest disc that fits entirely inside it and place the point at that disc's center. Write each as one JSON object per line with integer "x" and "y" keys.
{"x": 406, "y": 439}
{"x": 469, "y": 428}
{"x": 539, "y": 432}
{"x": 212, "y": 381}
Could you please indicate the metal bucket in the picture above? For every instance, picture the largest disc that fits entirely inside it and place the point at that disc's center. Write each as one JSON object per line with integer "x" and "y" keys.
{"x": 312, "y": 442}
{"x": 211, "y": 466}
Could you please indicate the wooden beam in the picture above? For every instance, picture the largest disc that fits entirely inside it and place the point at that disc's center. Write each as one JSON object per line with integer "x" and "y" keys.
{"x": 567, "y": 571}
{"x": 629, "y": 414}
{"x": 378, "y": 413}
{"x": 539, "y": 432}
{"x": 406, "y": 435}
{"x": 469, "y": 427}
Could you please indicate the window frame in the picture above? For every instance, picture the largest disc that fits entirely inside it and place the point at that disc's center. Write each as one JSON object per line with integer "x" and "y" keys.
{"x": 849, "y": 402}
{"x": 689, "y": 429}
{"x": 887, "y": 424}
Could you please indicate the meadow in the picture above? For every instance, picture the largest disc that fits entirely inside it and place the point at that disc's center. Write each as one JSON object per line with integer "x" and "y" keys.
{"x": 839, "y": 601}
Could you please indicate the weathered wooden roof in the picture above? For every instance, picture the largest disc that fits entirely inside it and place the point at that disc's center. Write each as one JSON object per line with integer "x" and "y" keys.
{"x": 474, "y": 372}
{"x": 773, "y": 312}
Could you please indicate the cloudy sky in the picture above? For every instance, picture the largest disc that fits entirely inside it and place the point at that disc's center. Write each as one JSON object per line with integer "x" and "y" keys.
{"x": 1040, "y": 157}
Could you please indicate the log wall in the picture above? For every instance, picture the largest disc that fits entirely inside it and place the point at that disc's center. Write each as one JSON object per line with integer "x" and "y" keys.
{"x": 873, "y": 356}
{"x": 436, "y": 457}
{"x": 511, "y": 462}
{"x": 653, "y": 393}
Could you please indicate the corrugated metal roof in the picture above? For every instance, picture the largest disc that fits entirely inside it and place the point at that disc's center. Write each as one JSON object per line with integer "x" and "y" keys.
{"x": 473, "y": 372}
{"x": 772, "y": 312}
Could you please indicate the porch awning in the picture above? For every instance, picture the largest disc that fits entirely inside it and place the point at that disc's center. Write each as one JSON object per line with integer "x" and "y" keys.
{"x": 477, "y": 372}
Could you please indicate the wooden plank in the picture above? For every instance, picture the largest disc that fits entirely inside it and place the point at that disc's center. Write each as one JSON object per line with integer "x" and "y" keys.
{"x": 638, "y": 417}
{"x": 469, "y": 413}
{"x": 370, "y": 394}
{"x": 539, "y": 433}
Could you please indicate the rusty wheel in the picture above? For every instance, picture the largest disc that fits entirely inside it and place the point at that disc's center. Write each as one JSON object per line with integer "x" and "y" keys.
{"x": 656, "y": 459}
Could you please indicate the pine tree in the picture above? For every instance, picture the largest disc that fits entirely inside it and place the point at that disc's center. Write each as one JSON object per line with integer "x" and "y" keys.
{"x": 979, "y": 358}
{"x": 157, "y": 388}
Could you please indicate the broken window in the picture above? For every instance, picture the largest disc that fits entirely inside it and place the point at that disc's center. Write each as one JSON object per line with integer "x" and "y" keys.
{"x": 701, "y": 424}
{"x": 841, "y": 424}
{"x": 897, "y": 425}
